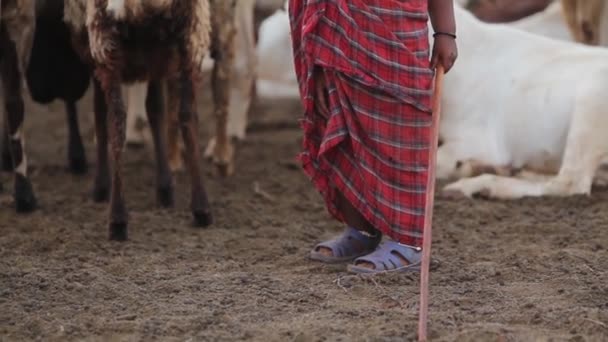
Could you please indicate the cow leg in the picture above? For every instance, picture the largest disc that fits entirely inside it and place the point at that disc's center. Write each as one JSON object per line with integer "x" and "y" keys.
{"x": 77, "y": 159}
{"x": 101, "y": 187}
{"x": 156, "y": 118}
{"x": 10, "y": 70}
{"x": 188, "y": 119}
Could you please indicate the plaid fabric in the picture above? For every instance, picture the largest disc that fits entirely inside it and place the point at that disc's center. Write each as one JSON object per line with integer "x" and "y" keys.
{"x": 373, "y": 147}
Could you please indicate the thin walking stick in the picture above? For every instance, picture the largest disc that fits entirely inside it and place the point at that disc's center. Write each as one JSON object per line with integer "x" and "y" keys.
{"x": 430, "y": 199}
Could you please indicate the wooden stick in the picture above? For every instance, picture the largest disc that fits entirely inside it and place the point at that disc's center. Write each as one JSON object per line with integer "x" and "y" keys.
{"x": 430, "y": 201}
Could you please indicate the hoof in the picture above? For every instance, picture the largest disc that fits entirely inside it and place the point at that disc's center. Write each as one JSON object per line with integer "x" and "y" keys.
{"x": 7, "y": 164}
{"x": 165, "y": 197}
{"x": 25, "y": 201}
{"x": 118, "y": 232}
{"x": 453, "y": 194}
{"x": 101, "y": 194}
{"x": 202, "y": 219}
{"x": 26, "y": 205}
{"x": 225, "y": 169}
{"x": 78, "y": 166}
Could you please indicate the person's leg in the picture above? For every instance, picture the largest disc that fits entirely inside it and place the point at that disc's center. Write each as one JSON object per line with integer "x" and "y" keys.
{"x": 367, "y": 243}
{"x": 354, "y": 220}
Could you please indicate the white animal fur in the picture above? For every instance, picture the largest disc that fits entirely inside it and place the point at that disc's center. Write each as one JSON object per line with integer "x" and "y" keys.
{"x": 519, "y": 100}
{"x": 548, "y": 22}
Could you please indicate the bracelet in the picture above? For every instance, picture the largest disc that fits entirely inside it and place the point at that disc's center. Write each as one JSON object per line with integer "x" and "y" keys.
{"x": 444, "y": 34}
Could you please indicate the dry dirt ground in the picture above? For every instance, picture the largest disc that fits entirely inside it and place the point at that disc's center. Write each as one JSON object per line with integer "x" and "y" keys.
{"x": 530, "y": 270}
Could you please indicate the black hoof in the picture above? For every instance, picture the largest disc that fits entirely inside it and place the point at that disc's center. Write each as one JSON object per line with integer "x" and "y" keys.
{"x": 165, "y": 197}
{"x": 26, "y": 205}
{"x": 118, "y": 232}
{"x": 202, "y": 219}
{"x": 25, "y": 201}
{"x": 78, "y": 166}
{"x": 101, "y": 194}
{"x": 7, "y": 163}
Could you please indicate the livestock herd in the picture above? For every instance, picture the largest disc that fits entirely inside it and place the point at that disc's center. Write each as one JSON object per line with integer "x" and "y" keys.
{"x": 523, "y": 106}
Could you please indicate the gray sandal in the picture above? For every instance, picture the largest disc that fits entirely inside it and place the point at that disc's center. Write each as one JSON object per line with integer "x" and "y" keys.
{"x": 346, "y": 247}
{"x": 388, "y": 258}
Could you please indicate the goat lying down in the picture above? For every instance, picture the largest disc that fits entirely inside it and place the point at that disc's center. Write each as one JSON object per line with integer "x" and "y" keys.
{"x": 517, "y": 101}
{"x": 135, "y": 40}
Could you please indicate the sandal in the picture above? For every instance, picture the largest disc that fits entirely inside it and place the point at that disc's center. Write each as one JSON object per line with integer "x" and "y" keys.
{"x": 389, "y": 258}
{"x": 345, "y": 247}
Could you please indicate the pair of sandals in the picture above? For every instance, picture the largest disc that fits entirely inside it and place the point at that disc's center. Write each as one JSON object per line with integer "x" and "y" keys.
{"x": 387, "y": 256}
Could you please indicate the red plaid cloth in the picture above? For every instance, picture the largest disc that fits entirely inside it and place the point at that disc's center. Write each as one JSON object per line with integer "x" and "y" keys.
{"x": 374, "y": 146}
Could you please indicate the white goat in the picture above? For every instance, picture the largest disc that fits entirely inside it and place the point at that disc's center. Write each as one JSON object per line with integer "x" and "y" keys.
{"x": 514, "y": 101}
{"x": 548, "y": 22}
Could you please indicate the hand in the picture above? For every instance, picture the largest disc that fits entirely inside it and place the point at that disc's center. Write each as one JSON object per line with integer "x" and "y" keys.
{"x": 444, "y": 52}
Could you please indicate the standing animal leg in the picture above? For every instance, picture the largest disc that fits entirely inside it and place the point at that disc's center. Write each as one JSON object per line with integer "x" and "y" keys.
{"x": 116, "y": 117}
{"x": 7, "y": 162}
{"x": 77, "y": 158}
{"x": 175, "y": 148}
{"x": 136, "y": 119}
{"x": 243, "y": 76}
{"x": 189, "y": 129}
{"x": 10, "y": 69}
{"x": 116, "y": 123}
{"x": 223, "y": 32}
{"x": 101, "y": 187}
{"x": 156, "y": 118}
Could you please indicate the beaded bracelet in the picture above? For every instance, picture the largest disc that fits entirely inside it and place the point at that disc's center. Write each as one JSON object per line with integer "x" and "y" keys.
{"x": 445, "y": 34}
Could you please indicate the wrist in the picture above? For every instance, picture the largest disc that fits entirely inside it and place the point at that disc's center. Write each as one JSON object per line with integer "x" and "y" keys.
{"x": 444, "y": 33}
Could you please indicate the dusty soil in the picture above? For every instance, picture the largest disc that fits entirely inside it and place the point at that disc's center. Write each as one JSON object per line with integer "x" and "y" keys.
{"x": 534, "y": 269}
